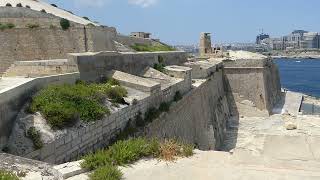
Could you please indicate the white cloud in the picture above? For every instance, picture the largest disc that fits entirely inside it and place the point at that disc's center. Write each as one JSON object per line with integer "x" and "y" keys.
{"x": 143, "y": 3}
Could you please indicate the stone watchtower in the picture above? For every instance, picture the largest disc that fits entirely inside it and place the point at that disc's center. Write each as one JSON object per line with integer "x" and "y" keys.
{"x": 205, "y": 44}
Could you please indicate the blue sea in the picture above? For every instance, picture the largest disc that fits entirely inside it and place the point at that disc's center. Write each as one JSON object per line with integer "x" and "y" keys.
{"x": 300, "y": 75}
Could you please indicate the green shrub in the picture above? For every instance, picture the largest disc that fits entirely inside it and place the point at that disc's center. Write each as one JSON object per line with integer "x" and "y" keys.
{"x": 34, "y": 135}
{"x": 123, "y": 153}
{"x": 86, "y": 18}
{"x": 151, "y": 48}
{"x": 6, "y": 26}
{"x": 116, "y": 94}
{"x": 107, "y": 173}
{"x": 128, "y": 131}
{"x": 65, "y": 24}
{"x": 33, "y": 26}
{"x": 151, "y": 114}
{"x": 19, "y": 5}
{"x": 63, "y": 105}
{"x": 177, "y": 97}
{"x": 164, "y": 107}
{"x": 11, "y": 25}
{"x": 139, "y": 120}
{"x": 159, "y": 67}
{"x": 5, "y": 175}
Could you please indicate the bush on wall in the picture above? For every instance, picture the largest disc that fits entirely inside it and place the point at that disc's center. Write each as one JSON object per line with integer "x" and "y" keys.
{"x": 63, "y": 105}
{"x": 65, "y": 24}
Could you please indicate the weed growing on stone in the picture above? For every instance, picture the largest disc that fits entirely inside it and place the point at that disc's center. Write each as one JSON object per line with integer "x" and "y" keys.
{"x": 34, "y": 135}
{"x": 65, "y": 24}
{"x": 107, "y": 173}
{"x": 177, "y": 97}
{"x": 151, "y": 48}
{"x": 126, "y": 152}
{"x": 6, "y": 26}
{"x": 63, "y": 105}
{"x": 165, "y": 107}
{"x": 33, "y": 26}
{"x": 5, "y": 175}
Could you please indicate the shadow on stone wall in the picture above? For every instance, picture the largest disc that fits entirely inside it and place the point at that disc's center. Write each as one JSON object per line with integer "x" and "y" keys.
{"x": 231, "y": 137}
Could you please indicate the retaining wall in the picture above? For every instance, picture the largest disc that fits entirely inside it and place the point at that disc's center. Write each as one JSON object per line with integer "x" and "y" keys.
{"x": 199, "y": 118}
{"x": 93, "y": 66}
{"x": 25, "y": 44}
{"x": 98, "y": 135}
{"x": 12, "y": 100}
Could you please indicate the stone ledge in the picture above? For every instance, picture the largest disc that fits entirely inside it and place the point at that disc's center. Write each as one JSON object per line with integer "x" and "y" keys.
{"x": 136, "y": 82}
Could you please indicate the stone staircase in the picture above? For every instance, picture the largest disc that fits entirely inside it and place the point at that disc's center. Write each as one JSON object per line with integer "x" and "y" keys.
{"x": 4, "y": 66}
{"x": 122, "y": 48}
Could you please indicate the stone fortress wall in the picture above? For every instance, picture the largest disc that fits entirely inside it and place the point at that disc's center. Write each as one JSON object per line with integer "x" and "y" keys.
{"x": 255, "y": 84}
{"x": 49, "y": 41}
{"x": 200, "y": 117}
{"x": 95, "y": 65}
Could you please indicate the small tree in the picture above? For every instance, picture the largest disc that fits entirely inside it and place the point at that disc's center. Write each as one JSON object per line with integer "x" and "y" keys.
{"x": 65, "y": 24}
{"x": 19, "y": 5}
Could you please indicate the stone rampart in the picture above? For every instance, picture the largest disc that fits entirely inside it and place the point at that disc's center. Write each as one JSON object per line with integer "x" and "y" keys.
{"x": 28, "y": 44}
{"x": 93, "y": 66}
{"x": 99, "y": 134}
{"x": 199, "y": 118}
{"x": 255, "y": 85}
{"x": 14, "y": 97}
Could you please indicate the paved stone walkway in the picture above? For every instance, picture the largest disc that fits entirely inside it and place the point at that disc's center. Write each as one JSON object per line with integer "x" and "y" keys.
{"x": 8, "y": 83}
{"x": 264, "y": 149}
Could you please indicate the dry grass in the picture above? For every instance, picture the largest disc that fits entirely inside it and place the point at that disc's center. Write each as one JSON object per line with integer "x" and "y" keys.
{"x": 169, "y": 150}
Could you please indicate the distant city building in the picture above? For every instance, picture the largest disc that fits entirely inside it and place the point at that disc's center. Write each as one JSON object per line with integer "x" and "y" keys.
{"x": 141, "y": 35}
{"x": 261, "y": 37}
{"x": 298, "y": 39}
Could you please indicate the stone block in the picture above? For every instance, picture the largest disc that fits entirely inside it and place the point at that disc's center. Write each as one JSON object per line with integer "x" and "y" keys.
{"x": 47, "y": 150}
{"x": 63, "y": 149}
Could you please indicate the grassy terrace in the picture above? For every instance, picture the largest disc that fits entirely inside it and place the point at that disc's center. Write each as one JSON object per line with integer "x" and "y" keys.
{"x": 151, "y": 48}
{"x": 63, "y": 105}
{"x": 5, "y": 175}
{"x": 105, "y": 163}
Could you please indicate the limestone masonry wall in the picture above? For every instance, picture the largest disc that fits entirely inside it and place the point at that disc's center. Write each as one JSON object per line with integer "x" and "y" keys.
{"x": 25, "y": 44}
{"x": 41, "y": 68}
{"x": 255, "y": 84}
{"x": 98, "y": 135}
{"x": 199, "y": 118}
{"x": 94, "y": 66}
{"x": 12, "y": 100}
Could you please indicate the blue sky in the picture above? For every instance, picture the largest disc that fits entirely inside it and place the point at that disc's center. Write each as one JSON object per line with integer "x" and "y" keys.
{"x": 181, "y": 21}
